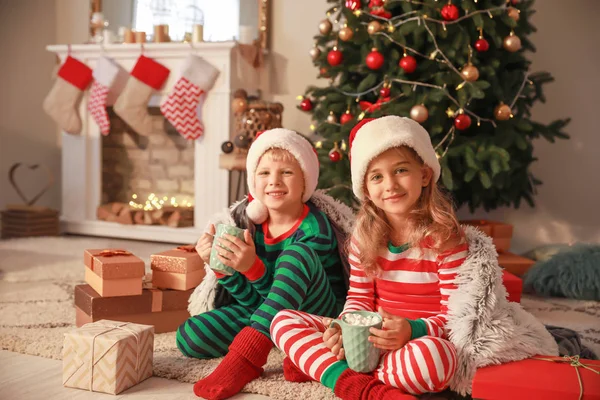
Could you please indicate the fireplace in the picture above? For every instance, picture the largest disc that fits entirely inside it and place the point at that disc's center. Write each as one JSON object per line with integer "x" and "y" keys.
{"x": 160, "y": 172}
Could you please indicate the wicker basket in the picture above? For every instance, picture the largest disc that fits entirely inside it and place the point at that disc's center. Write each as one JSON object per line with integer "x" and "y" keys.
{"x": 259, "y": 116}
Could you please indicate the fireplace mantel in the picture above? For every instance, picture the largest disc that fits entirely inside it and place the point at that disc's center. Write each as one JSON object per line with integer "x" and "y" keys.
{"x": 81, "y": 154}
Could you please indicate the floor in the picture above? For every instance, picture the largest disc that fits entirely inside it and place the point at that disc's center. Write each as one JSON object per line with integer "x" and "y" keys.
{"x": 26, "y": 377}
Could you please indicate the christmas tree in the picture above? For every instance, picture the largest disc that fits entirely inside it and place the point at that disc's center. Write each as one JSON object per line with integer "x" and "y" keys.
{"x": 458, "y": 67}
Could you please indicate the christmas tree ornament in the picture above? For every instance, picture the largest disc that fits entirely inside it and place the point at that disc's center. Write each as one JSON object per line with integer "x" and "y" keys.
{"x": 239, "y": 105}
{"x": 315, "y": 52}
{"x": 346, "y": 117}
{"x": 419, "y": 113}
{"x": 376, "y": 7}
{"x": 323, "y": 71}
{"x": 346, "y": 34}
{"x": 353, "y": 5}
{"x": 482, "y": 45}
{"x": 335, "y": 57}
{"x": 335, "y": 154}
{"x": 181, "y": 106}
{"x": 515, "y": 2}
{"x": 325, "y": 27}
{"x": 227, "y": 147}
{"x": 385, "y": 90}
{"x": 462, "y": 122}
{"x": 306, "y": 105}
{"x": 408, "y": 63}
{"x": 61, "y": 103}
{"x": 374, "y": 59}
{"x": 514, "y": 13}
{"x": 146, "y": 77}
{"x": 502, "y": 112}
{"x": 240, "y": 94}
{"x": 242, "y": 141}
{"x": 512, "y": 43}
{"x": 450, "y": 12}
{"x": 373, "y": 27}
{"x": 470, "y": 73}
{"x": 105, "y": 73}
{"x": 331, "y": 118}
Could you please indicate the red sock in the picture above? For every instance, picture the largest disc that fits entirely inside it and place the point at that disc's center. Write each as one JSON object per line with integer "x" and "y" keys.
{"x": 291, "y": 373}
{"x": 355, "y": 386}
{"x": 243, "y": 363}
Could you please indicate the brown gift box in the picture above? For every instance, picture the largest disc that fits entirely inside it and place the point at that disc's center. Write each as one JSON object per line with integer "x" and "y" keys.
{"x": 113, "y": 272}
{"x": 179, "y": 269}
{"x": 164, "y": 309}
{"x": 108, "y": 356}
{"x": 514, "y": 264}
{"x": 500, "y": 232}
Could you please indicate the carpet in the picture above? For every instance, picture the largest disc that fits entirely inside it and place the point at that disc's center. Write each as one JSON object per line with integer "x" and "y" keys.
{"x": 38, "y": 275}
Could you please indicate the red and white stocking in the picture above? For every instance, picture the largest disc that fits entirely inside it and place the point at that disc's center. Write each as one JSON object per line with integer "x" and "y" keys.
{"x": 104, "y": 76}
{"x": 181, "y": 107}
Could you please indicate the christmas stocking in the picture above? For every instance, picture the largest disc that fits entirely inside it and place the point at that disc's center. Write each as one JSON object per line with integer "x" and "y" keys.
{"x": 63, "y": 100}
{"x": 132, "y": 105}
{"x": 104, "y": 76}
{"x": 182, "y": 105}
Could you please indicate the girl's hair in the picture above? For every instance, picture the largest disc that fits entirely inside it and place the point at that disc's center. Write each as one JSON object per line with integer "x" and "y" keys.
{"x": 433, "y": 218}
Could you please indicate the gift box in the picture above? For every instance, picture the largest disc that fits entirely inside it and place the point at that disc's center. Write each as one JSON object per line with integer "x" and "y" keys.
{"x": 179, "y": 269}
{"x": 107, "y": 356}
{"x": 513, "y": 285}
{"x": 515, "y": 264}
{"x": 537, "y": 378}
{"x": 166, "y": 310}
{"x": 500, "y": 232}
{"x": 113, "y": 272}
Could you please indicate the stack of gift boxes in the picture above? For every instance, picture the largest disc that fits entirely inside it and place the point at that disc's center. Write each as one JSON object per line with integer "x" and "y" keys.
{"x": 117, "y": 314}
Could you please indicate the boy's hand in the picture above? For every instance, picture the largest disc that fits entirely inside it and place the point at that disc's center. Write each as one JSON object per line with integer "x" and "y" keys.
{"x": 239, "y": 254}
{"x": 395, "y": 332}
{"x": 332, "y": 337}
{"x": 205, "y": 243}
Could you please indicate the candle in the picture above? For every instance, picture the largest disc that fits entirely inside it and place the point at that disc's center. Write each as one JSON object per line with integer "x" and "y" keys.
{"x": 198, "y": 35}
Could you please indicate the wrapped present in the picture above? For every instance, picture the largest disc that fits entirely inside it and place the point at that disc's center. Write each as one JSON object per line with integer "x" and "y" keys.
{"x": 539, "y": 378}
{"x": 500, "y": 232}
{"x": 179, "y": 269}
{"x": 513, "y": 285}
{"x": 163, "y": 309}
{"x": 107, "y": 356}
{"x": 514, "y": 264}
{"x": 114, "y": 272}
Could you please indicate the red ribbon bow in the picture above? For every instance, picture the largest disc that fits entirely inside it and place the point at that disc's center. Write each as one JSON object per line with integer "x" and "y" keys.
{"x": 369, "y": 107}
{"x": 112, "y": 253}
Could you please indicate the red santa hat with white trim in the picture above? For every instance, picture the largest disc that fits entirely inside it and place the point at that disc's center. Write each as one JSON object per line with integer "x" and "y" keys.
{"x": 373, "y": 136}
{"x": 299, "y": 147}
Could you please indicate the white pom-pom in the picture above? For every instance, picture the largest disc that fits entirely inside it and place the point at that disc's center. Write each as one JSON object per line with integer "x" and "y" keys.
{"x": 257, "y": 212}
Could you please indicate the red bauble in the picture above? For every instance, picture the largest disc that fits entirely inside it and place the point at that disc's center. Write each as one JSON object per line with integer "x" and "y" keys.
{"x": 482, "y": 45}
{"x": 384, "y": 92}
{"x": 323, "y": 72}
{"x": 450, "y": 12}
{"x": 408, "y": 64}
{"x": 375, "y": 3}
{"x": 374, "y": 60}
{"x": 335, "y": 155}
{"x": 353, "y": 4}
{"x": 346, "y": 117}
{"x": 306, "y": 105}
{"x": 335, "y": 57}
{"x": 462, "y": 122}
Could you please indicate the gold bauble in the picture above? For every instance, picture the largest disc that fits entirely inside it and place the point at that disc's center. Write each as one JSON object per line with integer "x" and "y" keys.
{"x": 346, "y": 34}
{"x": 239, "y": 105}
{"x": 470, "y": 73}
{"x": 373, "y": 27}
{"x": 315, "y": 52}
{"x": 514, "y": 13}
{"x": 419, "y": 113}
{"x": 331, "y": 118}
{"x": 512, "y": 43}
{"x": 502, "y": 112}
{"x": 325, "y": 27}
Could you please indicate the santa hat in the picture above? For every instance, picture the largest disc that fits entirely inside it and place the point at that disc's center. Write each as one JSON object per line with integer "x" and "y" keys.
{"x": 299, "y": 147}
{"x": 373, "y": 136}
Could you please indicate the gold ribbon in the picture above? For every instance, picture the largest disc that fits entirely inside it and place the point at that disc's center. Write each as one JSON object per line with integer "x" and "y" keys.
{"x": 189, "y": 248}
{"x": 573, "y": 362}
{"x": 113, "y": 253}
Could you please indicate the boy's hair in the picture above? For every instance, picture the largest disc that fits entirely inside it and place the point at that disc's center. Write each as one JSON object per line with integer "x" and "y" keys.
{"x": 433, "y": 218}
{"x": 278, "y": 154}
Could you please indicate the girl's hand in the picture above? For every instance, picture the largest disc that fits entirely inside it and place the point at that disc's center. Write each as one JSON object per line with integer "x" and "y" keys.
{"x": 395, "y": 332}
{"x": 205, "y": 243}
{"x": 332, "y": 337}
{"x": 241, "y": 254}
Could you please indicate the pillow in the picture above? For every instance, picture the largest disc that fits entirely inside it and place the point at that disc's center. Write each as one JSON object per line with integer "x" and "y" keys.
{"x": 573, "y": 273}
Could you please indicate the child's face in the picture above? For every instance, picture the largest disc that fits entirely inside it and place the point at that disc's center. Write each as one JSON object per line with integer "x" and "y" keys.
{"x": 395, "y": 180}
{"x": 279, "y": 182}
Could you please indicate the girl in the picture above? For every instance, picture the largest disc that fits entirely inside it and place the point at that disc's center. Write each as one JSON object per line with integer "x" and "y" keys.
{"x": 289, "y": 259}
{"x": 406, "y": 247}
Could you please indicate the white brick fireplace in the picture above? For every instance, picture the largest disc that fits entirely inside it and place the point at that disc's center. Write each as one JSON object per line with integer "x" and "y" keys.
{"x": 82, "y": 154}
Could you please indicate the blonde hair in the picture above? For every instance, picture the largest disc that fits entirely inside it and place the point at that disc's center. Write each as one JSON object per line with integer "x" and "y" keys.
{"x": 433, "y": 218}
{"x": 278, "y": 154}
